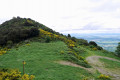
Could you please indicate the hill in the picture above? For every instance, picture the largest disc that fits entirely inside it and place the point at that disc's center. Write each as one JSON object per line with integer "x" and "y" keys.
{"x": 50, "y": 55}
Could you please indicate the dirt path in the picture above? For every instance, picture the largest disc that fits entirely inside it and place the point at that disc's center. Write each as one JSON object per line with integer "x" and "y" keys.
{"x": 94, "y": 61}
{"x": 73, "y": 64}
{"x": 96, "y": 64}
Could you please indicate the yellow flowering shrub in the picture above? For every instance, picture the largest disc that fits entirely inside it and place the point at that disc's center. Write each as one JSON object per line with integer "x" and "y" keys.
{"x": 14, "y": 75}
{"x": 70, "y": 52}
{"x": 44, "y": 33}
{"x": 76, "y": 55}
{"x": 28, "y": 44}
{"x": 62, "y": 52}
{"x": 86, "y": 78}
{"x": 2, "y": 52}
{"x": 94, "y": 49}
{"x": 27, "y": 77}
{"x": 86, "y": 61}
{"x": 81, "y": 58}
{"x": 104, "y": 77}
{"x": 70, "y": 43}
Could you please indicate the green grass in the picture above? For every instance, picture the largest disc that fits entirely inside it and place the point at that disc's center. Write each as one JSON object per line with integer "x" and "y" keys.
{"x": 110, "y": 64}
{"x": 40, "y": 61}
{"x": 89, "y": 52}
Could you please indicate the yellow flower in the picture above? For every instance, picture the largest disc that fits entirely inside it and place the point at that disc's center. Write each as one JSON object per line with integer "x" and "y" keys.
{"x": 62, "y": 52}
{"x": 32, "y": 77}
{"x": 28, "y": 44}
{"x": 24, "y": 62}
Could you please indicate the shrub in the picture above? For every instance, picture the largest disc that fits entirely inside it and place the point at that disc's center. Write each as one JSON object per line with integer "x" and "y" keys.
{"x": 81, "y": 58}
{"x": 82, "y": 42}
{"x": 79, "y": 50}
{"x": 14, "y": 75}
{"x": 94, "y": 49}
{"x": 86, "y": 61}
{"x": 69, "y": 36}
{"x": 62, "y": 52}
{"x": 2, "y": 52}
{"x": 92, "y": 43}
{"x": 118, "y": 50}
{"x": 28, "y": 44}
{"x": 9, "y": 44}
{"x": 99, "y": 48}
{"x": 76, "y": 55}
{"x": 27, "y": 77}
{"x": 47, "y": 39}
{"x": 104, "y": 77}
{"x": 34, "y": 32}
{"x": 91, "y": 46}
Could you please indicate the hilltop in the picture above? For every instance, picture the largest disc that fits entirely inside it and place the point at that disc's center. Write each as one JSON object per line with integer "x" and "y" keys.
{"x": 50, "y": 55}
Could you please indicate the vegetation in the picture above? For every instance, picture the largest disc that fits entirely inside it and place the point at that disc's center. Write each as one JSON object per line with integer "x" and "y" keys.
{"x": 92, "y": 43}
{"x": 118, "y": 50}
{"x": 104, "y": 77}
{"x": 6, "y": 74}
{"x": 109, "y": 64}
{"x": 41, "y": 61}
{"x": 19, "y": 29}
{"x": 23, "y": 39}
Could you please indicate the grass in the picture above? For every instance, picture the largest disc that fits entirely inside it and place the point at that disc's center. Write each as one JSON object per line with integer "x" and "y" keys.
{"x": 40, "y": 61}
{"x": 88, "y": 52}
{"x": 112, "y": 66}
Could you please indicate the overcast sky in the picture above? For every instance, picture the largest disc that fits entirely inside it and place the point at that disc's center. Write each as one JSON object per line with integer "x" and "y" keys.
{"x": 67, "y": 16}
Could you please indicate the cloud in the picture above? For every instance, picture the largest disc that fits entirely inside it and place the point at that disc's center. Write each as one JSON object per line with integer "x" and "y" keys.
{"x": 82, "y": 16}
{"x": 91, "y": 26}
{"x": 108, "y": 6}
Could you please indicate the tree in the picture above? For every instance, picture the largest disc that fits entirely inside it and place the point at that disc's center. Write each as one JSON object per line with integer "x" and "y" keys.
{"x": 69, "y": 35}
{"x": 82, "y": 42}
{"x": 118, "y": 50}
{"x": 93, "y": 43}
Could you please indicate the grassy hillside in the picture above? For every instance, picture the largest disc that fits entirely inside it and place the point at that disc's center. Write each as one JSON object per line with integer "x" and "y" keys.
{"x": 41, "y": 60}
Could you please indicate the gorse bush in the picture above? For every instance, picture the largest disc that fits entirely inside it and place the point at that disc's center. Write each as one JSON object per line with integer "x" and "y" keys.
{"x": 14, "y": 75}
{"x": 27, "y": 77}
{"x": 62, "y": 52}
{"x": 95, "y": 49}
{"x": 2, "y": 52}
{"x": 104, "y": 77}
{"x": 28, "y": 44}
{"x": 48, "y": 35}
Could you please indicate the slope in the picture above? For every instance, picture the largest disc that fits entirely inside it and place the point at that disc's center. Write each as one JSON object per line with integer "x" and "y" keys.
{"x": 39, "y": 58}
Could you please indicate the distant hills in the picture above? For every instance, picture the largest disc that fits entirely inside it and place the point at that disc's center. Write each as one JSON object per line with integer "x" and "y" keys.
{"x": 108, "y": 41}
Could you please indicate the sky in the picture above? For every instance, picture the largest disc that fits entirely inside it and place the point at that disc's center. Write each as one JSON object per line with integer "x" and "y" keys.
{"x": 67, "y": 16}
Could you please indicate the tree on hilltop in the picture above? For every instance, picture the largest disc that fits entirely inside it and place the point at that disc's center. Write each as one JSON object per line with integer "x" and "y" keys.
{"x": 118, "y": 50}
